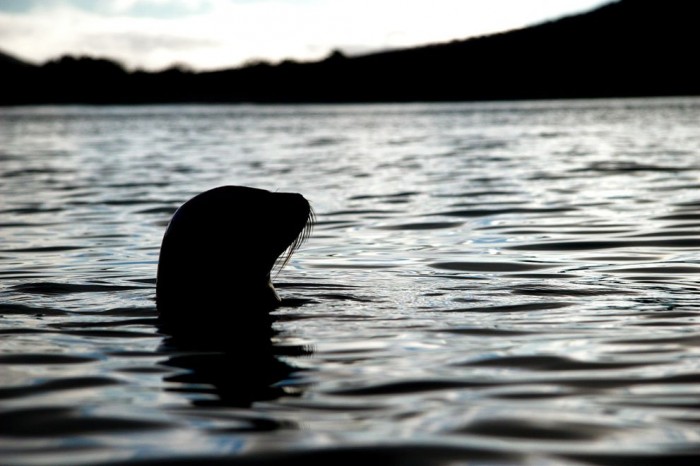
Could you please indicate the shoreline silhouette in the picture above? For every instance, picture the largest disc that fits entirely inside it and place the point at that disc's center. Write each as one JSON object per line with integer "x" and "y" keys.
{"x": 627, "y": 48}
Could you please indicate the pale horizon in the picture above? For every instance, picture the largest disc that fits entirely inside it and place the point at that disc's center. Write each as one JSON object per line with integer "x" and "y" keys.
{"x": 216, "y": 34}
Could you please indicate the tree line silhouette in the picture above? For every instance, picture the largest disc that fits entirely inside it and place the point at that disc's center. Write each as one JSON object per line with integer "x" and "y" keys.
{"x": 625, "y": 48}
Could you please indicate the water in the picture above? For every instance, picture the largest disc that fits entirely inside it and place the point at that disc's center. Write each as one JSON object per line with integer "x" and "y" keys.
{"x": 492, "y": 283}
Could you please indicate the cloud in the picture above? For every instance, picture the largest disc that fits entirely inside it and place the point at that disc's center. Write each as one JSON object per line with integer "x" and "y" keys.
{"x": 218, "y": 33}
{"x": 137, "y": 41}
{"x": 152, "y": 8}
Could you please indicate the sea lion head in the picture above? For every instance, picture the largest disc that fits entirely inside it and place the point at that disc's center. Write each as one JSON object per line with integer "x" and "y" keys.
{"x": 221, "y": 246}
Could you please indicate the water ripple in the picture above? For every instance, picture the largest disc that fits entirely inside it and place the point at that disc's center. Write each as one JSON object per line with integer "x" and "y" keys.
{"x": 489, "y": 283}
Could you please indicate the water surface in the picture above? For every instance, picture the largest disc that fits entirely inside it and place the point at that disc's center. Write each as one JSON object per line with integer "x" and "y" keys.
{"x": 496, "y": 283}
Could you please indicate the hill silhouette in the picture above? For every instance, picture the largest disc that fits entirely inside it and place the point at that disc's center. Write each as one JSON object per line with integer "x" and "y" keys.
{"x": 625, "y": 48}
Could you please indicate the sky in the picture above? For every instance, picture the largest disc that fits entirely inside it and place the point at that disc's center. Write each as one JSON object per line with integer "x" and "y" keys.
{"x": 215, "y": 34}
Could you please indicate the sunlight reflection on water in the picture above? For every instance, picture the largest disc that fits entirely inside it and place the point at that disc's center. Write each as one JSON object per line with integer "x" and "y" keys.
{"x": 495, "y": 282}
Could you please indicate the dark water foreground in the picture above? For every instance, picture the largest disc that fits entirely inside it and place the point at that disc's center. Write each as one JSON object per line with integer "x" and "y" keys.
{"x": 510, "y": 283}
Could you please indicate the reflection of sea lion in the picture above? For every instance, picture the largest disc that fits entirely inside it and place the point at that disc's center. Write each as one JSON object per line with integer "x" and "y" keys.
{"x": 231, "y": 369}
{"x": 219, "y": 249}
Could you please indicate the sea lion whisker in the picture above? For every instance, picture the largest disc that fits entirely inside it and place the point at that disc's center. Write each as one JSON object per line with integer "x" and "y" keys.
{"x": 301, "y": 238}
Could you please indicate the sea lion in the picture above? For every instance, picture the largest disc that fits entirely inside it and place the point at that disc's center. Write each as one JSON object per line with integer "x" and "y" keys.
{"x": 218, "y": 252}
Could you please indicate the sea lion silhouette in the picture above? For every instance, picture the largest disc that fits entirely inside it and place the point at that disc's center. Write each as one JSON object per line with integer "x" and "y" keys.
{"x": 219, "y": 250}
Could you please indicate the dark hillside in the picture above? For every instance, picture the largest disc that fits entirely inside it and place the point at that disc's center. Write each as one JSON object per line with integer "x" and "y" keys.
{"x": 626, "y": 48}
